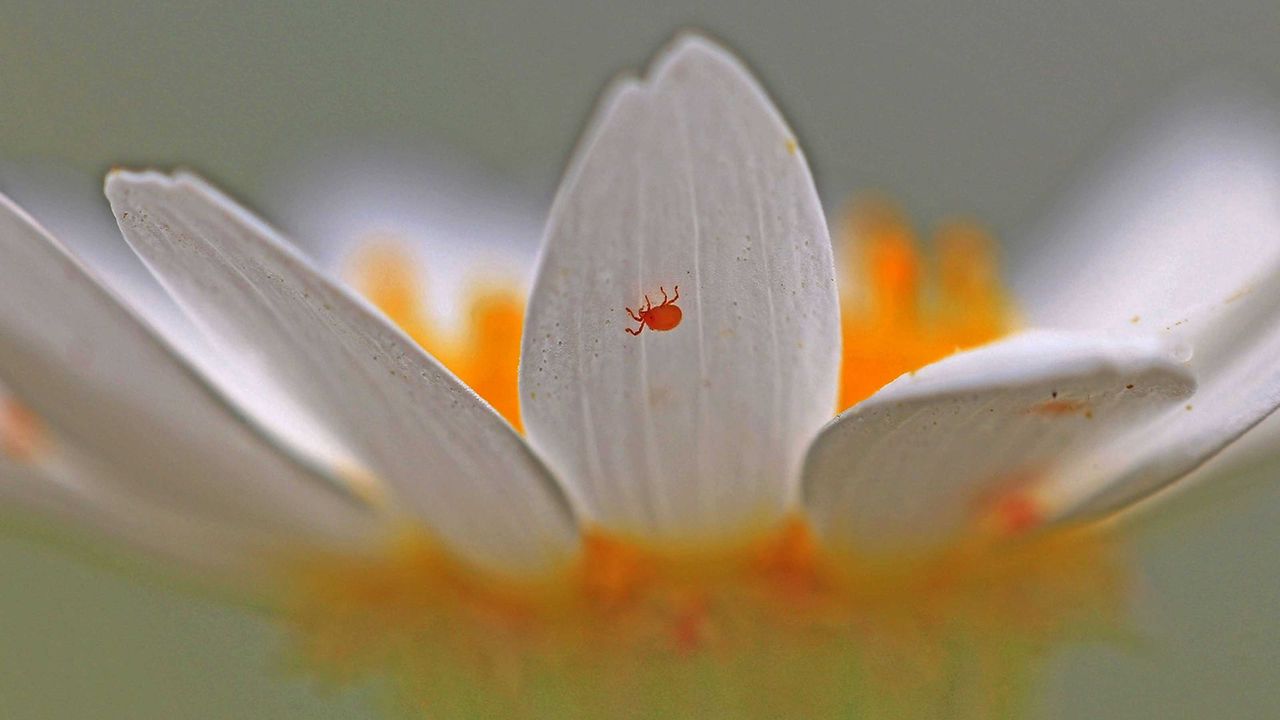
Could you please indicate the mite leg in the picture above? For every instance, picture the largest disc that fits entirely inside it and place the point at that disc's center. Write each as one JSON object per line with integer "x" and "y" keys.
{"x": 677, "y": 297}
{"x": 665, "y": 301}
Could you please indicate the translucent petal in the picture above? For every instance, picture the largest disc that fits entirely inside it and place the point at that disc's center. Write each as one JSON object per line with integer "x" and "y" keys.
{"x": 1182, "y": 215}
{"x": 459, "y": 222}
{"x": 69, "y": 204}
{"x": 100, "y": 378}
{"x": 67, "y": 487}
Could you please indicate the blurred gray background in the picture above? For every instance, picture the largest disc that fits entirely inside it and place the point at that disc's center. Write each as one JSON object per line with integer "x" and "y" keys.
{"x": 975, "y": 108}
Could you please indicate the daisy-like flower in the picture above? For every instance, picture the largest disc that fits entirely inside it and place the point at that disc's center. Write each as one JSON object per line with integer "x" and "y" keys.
{"x": 683, "y": 528}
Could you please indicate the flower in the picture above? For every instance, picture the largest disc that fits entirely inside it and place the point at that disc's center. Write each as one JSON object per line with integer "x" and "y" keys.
{"x": 684, "y": 528}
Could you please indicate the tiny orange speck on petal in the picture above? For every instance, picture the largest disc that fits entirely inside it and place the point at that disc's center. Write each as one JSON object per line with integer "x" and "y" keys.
{"x": 23, "y": 435}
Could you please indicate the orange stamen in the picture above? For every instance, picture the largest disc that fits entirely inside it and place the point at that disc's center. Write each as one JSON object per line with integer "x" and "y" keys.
{"x": 898, "y": 313}
{"x": 386, "y": 275}
{"x": 485, "y": 354}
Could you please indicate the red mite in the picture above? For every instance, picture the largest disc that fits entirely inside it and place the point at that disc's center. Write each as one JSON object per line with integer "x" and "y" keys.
{"x": 662, "y": 318}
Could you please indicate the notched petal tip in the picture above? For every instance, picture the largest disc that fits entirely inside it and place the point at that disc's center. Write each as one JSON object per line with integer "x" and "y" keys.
{"x": 689, "y": 46}
{"x": 690, "y": 58}
{"x": 119, "y": 181}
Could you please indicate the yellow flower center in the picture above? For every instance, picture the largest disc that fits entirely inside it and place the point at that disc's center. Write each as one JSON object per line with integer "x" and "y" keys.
{"x": 772, "y": 628}
{"x": 773, "y": 625}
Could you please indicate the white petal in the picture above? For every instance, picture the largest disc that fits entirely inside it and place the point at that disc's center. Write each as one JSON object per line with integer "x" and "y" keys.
{"x": 70, "y": 205}
{"x": 1184, "y": 216}
{"x": 912, "y": 465}
{"x": 1177, "y": 234}
{"x": 102, "y": 380}
{"x": 52, "y": 480}
{"x": 1237, "y": 364}
{"x": 688, "y": 178}
{"x": 1229, "y": 470}
{"x": 450, "y": 458}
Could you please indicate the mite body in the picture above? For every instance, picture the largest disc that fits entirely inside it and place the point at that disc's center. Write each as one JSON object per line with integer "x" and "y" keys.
{"x": 661, "y": 318}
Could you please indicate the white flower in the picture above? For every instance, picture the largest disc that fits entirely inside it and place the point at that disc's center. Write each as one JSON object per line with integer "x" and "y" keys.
{"x": 1152, "y": 344}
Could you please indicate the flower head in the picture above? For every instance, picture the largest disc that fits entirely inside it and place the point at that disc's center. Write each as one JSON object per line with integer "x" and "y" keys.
{"x": 683, "y": 527}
